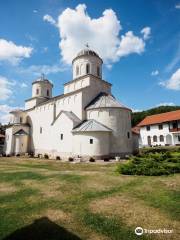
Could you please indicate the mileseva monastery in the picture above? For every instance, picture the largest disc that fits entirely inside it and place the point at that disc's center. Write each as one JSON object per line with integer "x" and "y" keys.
{"x": 85, "y": 121}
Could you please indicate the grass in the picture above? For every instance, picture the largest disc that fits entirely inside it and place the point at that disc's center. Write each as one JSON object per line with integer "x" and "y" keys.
{"x": 47, "y": 199}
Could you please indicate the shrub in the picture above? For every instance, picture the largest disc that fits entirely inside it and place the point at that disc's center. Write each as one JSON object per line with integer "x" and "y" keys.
{"x": 151, "y": 164}
{"x": 91, "y": 159}
{"x": 58, "y": 158}
{"x": 71, "y": 159}
{"x": 46, "y": 156}
{"x": 106, "y": 159}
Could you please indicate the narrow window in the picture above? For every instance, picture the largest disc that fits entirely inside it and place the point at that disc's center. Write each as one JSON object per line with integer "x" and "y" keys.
{"x": 91, "y": 141}
{"x": 87, "y": 68}
{"x": 40, "y": 130}
{"x": 21, "y": 119}
{"x": 160, "y": 126}
{"x": 154, "y": 138}
{"x": 37, "y": 91}
{"x": 61, "y": 136}
{"x": 98, "y": 71}
{"x": 128, "y": 134}
{"x": 77, "y": 70}
{"x": 149, "y": 140}
{"x": 148, "y": 128}
{"x": 161, "y": 138}
{"x": 179, "y": 138}
{"x": 48, "y": 92}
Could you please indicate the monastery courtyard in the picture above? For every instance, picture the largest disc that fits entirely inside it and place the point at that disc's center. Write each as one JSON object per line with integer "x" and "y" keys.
{"x": 48, "y": 199}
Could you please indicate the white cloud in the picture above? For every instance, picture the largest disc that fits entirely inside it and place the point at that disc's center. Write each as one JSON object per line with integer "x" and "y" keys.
{"x": 77, "y": 28}
{"x": 174, "y": 81}
{"x": 155, "y": 73}
{"x": 165, "y": 104}
{"x": 37, "y": 70}
{"x": 49, "y": 19}
{"x": 35, "y": 11}
{"x": 175, "y": 60}
{"x": 146, "y": 32}
{"x": 177, "y": 6}
{"x": 13, "y": 53}
{"x": 5, "y": 88}
{"x": 4, "y": 113}
{"x": 23, "y": 85}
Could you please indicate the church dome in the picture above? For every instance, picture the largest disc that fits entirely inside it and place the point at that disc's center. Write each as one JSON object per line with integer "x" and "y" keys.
{"x": 86, "y": 52}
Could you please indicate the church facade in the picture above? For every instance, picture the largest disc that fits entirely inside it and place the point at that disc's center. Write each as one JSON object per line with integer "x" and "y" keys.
{"x": 86, "y": 120}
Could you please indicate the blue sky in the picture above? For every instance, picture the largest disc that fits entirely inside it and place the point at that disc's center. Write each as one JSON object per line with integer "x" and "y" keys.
{"x": 138, "y": 40}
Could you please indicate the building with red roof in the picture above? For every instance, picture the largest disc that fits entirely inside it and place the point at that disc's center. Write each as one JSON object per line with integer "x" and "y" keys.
{"x": 160, "y": 129}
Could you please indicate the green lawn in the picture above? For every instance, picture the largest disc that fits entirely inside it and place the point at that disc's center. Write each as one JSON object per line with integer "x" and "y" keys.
{"x": 50, "y": 200}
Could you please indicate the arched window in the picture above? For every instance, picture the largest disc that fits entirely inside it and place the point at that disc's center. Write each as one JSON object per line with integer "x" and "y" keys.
{"x": 87, "y": 68}
{"x": 77, "y": 70}
{"x": 48, "y": 92}
{"x": 154, "y": 138}
{"x": 98, "y": 71}
{"x": 37, "y": 91}
{"x": 161, "y": 138}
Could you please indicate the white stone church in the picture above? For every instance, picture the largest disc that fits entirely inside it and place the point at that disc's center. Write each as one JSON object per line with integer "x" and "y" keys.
{"x": 85, "y": 121}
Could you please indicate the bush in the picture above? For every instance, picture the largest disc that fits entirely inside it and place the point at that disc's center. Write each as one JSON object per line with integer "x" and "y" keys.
{"x": 91, "y": 159}
{"x": 71, "y": 159}
{"x": 58, "y": 158}
{"x": 151, "y": 164}
{"x": 106, "y": 159}
{"x": 46, "y": 156}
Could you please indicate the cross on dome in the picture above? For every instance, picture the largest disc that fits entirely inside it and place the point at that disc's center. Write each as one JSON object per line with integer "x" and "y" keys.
{"x": 42, "y": 76}
{"x": 87, "y": 45}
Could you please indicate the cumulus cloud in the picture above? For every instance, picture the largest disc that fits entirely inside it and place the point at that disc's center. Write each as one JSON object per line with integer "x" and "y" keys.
{"x": 13, "y": 53}
{"x": 174, "y": 81}
{"x": 4, "y": 113}
{"x": 76, "y": 28}
{"x": 155, "y": 73}
{"x": 49, "y": 19}
{"x": 5, "y": 88}
{"x": 146, "y": 32}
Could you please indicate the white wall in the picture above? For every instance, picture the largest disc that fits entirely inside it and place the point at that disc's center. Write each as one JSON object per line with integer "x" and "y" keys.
{"x": 119, "y": 120}
{"x": 82, "y": 146}
{"x": 154, "y": 131}
{"x": 10, "y": 138}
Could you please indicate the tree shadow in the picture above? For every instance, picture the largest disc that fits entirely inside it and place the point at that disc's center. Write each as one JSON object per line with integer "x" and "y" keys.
{"x": 42, "y": 229}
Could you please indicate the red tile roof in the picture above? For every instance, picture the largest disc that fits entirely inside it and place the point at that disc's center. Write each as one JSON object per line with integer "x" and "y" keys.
{"x": 160, "y": 118}
{"x": 136, "y": 130}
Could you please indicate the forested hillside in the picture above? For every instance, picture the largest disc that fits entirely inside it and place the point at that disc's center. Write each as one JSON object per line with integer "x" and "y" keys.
{"x": 139, "y": 116}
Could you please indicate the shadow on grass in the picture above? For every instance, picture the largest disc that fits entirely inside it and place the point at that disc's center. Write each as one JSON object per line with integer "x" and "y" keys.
{"x": 42, "y": 229}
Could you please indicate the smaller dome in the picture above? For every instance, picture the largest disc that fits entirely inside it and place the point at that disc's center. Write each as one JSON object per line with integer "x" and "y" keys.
{"x": 40, "y": 80}
{"x": 105, "y": 100}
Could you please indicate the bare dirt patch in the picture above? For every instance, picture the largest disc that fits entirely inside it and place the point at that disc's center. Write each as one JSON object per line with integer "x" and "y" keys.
{"x": 135, "y": 213}
{"x": 6, "y": 188}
